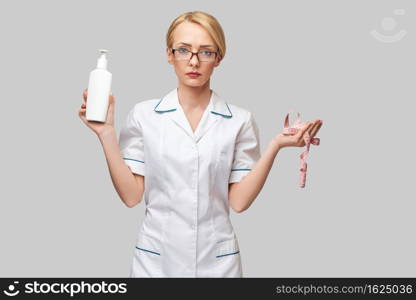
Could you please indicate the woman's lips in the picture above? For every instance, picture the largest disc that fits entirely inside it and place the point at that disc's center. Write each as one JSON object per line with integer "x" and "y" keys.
{"x": 193, "y": 75}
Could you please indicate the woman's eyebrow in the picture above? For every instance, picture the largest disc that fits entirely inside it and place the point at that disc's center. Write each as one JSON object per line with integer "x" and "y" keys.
{"x": 202, "y": 46}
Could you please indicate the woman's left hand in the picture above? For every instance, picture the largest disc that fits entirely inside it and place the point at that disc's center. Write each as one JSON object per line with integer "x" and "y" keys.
{"x": 298, "y": 139}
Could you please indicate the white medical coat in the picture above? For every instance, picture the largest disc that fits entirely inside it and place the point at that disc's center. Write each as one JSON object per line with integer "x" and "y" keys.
{"x": 186, "y": 231}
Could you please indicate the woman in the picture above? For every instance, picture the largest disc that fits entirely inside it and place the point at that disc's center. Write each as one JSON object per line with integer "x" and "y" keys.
{"x": 192, "y": 155}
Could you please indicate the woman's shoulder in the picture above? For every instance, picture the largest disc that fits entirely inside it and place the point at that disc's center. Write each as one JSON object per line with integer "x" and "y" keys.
{"x": 240, "y": 113}
{"x": 141, "y": 110}
{"x": 146, "y": 105}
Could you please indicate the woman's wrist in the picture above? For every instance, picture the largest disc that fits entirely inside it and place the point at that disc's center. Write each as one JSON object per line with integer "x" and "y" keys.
{"x": 108, "y": 131}
{"x": 275, "y": 145}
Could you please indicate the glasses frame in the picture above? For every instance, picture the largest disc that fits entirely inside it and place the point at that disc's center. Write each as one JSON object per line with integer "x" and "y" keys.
{"x": 196, "y": 53}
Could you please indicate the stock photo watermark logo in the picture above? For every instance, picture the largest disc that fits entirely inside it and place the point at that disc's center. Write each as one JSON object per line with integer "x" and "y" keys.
{"x": 11, "y": 289}
{"x": 389, "y": 26}
{"x": 71, "y": 289}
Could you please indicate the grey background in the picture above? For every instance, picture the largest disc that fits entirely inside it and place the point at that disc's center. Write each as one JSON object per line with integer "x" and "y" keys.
{"x": 59, "y": 212}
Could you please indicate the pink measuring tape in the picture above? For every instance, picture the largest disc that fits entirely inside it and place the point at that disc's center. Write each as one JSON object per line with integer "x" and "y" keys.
{"x": 291, "y": 130}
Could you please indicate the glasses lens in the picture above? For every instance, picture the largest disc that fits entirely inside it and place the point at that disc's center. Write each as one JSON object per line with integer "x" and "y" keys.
{"x": 185, "y": 54}
{"x": 182, "y": 54}
{"x": 206, "y": 55}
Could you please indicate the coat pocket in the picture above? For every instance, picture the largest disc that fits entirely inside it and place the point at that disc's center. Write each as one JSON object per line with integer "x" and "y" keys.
{"x": 228, "y": 247}
{"x": 148, "y": 257}
{"x": 228, "y": 260}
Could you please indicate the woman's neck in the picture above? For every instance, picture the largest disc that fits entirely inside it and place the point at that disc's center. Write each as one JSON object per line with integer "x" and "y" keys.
{"x": 191, "y": 98}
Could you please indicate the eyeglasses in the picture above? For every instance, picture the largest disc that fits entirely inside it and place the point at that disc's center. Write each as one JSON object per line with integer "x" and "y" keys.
{"x": 185, "y": 54}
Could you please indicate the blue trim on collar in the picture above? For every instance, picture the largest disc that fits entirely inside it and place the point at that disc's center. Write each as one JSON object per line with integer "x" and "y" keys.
{"x": 213, "y": 112}
{"x": 162, "y": 111}
{"x": 227, "y": 116}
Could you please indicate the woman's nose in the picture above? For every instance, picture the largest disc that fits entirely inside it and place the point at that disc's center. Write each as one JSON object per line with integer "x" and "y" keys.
{"x": 194, "y": 61}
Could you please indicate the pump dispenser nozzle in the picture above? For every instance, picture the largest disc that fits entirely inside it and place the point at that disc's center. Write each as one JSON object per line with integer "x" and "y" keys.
{"x": 102, "y": 60}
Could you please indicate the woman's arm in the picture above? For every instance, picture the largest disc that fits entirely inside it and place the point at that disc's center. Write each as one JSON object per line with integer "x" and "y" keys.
{"x": 129, "y": 187}
{"x": 242, "y": 194}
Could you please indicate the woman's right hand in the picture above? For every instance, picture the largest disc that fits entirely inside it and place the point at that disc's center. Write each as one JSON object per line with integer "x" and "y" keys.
{"x": 98, "y": 127}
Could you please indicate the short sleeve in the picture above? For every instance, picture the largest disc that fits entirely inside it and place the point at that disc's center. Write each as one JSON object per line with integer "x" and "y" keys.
{"x": 131, "y": 144}
{"x": 247, "y": 150}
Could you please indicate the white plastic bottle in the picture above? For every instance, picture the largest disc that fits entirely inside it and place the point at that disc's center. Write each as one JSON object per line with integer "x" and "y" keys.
{"x": 99, "y": 87}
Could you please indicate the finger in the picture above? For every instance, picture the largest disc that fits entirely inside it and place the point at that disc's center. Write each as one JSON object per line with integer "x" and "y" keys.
{"x": 110, "y": 114}
{"x": 82, "y": 116}
{"x": 80, "y": 113}
{"x": 112, "y": 103}
{"x": 306, "y": 128}
{"x": 313, "y": 126}
{"x": 316, "y": 129}
{"x": 111, "y": 98}
{"x": 85, "y": 94}
{"x": 300, "y": 135}
{"x": 300, "y": 130}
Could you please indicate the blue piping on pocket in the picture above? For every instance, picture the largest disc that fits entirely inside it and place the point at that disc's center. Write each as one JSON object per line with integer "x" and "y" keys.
{"x": 147, "y": 250}
{"x": 133, "y": 159}
{"x": 228, "y": 254}
{"x": 240, "y": 170}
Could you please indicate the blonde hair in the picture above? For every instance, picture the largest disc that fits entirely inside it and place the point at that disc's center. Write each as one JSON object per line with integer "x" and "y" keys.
{"x": 207, "y": 21}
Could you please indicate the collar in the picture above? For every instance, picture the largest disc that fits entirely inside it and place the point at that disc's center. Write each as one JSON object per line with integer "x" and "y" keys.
{"x": 170, "y": 102}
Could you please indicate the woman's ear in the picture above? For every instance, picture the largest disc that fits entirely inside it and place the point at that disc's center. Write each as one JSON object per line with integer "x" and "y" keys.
{"x": 169, "y": 56}
{"x": 217, "y": 61}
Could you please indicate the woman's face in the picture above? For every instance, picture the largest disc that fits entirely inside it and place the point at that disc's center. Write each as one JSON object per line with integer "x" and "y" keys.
{"x": 195, "y": 38}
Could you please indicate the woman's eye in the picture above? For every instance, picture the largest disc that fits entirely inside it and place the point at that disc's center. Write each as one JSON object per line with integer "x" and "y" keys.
{"x": 183, "y": 50}
{"x": 206, "y": 53}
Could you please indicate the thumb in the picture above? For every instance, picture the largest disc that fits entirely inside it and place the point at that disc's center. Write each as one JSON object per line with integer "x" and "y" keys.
{"x": 303, "y": 130}
{"x": 112, "y": 100}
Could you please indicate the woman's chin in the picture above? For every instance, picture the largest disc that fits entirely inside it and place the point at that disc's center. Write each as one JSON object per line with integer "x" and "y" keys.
{"x": 193, "y": 83}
